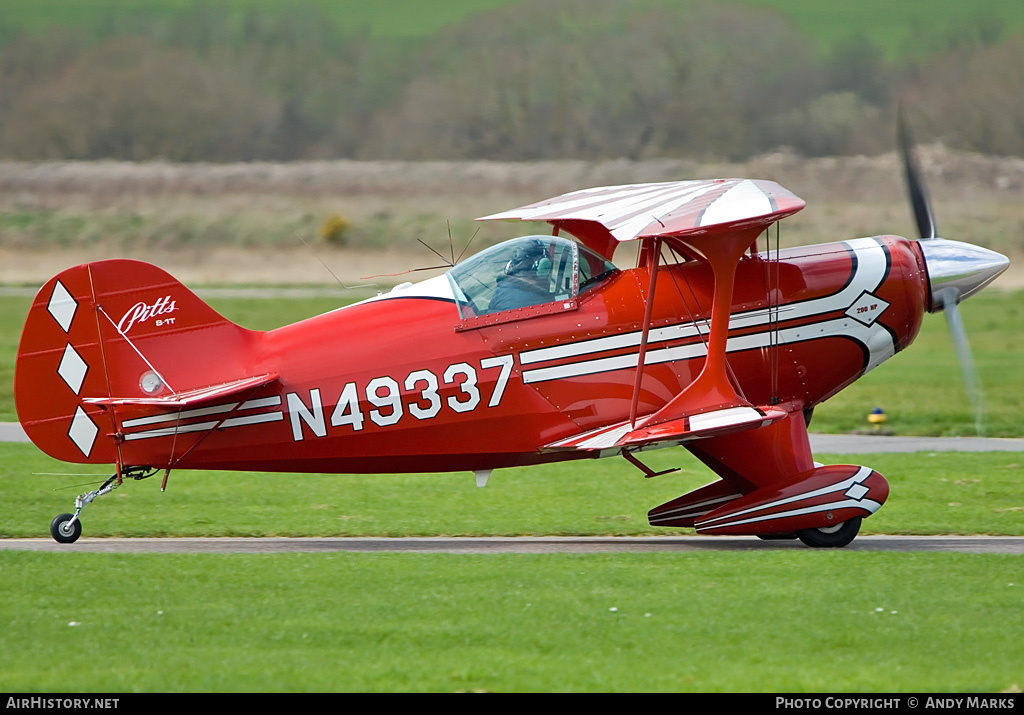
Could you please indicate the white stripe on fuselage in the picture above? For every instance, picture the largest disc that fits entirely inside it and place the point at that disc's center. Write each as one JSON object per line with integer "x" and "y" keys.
{"x": 221, "y": 424}
{"x": 869, "y": 271}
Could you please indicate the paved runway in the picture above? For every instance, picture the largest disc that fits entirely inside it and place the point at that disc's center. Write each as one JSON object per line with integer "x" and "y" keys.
{"x": 510, "y": 545}
{"x": 877, "y": 444}
{"x": 12, "y": 432}
{"x": 820, "y": 443}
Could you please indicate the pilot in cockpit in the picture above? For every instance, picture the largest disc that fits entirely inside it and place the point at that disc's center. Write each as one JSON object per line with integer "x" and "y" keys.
{"x": 526, "y": 279}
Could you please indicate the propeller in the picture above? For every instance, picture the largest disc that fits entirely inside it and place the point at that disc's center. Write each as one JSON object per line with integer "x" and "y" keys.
{"x": 955, "y": 271}
{"x": 919, "y": 202}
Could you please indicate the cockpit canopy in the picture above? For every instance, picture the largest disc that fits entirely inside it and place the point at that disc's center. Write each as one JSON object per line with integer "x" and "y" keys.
{"x": 524, "y": 272}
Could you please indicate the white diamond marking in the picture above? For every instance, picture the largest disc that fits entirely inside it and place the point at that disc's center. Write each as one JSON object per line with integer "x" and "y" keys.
{"x": 62, "y": 306}
{"x": 72, "y": 368}
{"x": 867, "y": 308}
{"x": 83, "y": 431}
{"x": 857, "y": 491}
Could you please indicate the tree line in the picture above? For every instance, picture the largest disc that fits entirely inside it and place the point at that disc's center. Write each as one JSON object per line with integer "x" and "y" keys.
{"x": 586, "y": 79}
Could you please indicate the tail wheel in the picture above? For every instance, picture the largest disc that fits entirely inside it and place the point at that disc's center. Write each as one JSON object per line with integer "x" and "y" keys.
{"x": 64, "y": 530}
{"x": 831, "y": 537}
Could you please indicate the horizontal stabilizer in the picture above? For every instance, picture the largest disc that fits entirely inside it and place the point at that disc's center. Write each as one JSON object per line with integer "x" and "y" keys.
{"x": 621, "y": 435}
{"x": 190, "y": 397}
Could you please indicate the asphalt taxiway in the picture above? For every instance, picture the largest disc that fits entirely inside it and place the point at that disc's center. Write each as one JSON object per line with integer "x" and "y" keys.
{"x": 508, "y": 545}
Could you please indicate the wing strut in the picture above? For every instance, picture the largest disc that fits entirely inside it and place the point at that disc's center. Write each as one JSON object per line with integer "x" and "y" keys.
{"x": 710, "y": 406}
{"x": 655, "y": 253}
{"x": 712, "y": 389}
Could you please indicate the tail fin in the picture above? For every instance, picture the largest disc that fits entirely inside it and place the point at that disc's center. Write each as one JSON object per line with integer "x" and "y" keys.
{"x": 114, "y": 332}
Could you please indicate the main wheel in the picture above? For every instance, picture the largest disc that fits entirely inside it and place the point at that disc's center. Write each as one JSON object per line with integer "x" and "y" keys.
{"x": 63, "y": 531}
{"x": 831, "y": 537}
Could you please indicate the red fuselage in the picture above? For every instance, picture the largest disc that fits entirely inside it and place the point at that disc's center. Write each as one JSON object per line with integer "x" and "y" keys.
{"x": 404, "y": 383}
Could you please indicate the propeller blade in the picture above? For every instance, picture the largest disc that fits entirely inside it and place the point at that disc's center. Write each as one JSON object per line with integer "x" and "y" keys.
{"x": 955, "y": 323}
{"x": 923, "y": 215}
{"x": 955, "y": 271}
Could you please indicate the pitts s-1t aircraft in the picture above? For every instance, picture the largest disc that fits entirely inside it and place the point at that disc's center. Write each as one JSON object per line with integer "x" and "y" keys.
{"x": 535, "y": 350}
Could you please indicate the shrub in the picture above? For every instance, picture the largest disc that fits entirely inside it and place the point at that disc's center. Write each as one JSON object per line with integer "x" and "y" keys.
{"x": 334, "y": 229}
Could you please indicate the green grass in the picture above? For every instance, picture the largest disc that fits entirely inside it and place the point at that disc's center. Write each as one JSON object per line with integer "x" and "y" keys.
{"x": 802, "y": 621}
{"x": 914, "y": 28}
{"x": 13, "y": 310}
{"x": 386, "y": 19}
{"x": 922, "y": 390}
{"x": 937, "y": 493}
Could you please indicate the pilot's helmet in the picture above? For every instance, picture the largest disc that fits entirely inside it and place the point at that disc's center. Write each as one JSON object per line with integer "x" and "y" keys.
{"x": 526, "y": 257}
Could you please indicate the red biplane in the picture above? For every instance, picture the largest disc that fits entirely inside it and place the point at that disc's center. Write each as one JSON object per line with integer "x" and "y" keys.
{"x": 535, "y": 350}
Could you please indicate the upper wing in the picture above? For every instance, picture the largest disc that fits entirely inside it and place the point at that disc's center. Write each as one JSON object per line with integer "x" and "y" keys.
{"x": 601, "y": 217}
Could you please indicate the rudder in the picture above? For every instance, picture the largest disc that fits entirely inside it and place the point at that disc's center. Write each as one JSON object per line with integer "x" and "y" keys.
{"x": 115, "y": 328}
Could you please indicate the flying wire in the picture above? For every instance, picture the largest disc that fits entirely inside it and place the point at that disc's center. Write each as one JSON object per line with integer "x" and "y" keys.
{"x": 429, "y": 248}
{"x": 773, "y": 310}
{"x": 70, "y": 486}
{"x": 447, "y": 264}
{"x": 686, "y": 304}
{"x": 328, "y": 268}
{"x": 459, "y": 259}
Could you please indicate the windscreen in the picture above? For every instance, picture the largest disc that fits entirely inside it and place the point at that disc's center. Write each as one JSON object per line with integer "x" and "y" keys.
{"x": 524, "y": 272}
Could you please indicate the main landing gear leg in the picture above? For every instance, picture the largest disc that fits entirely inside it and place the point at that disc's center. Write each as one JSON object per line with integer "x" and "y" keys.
{"x": 66, "y": 528}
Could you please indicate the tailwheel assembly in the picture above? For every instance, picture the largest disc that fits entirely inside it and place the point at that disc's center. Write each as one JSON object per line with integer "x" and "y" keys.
{"x": 66, "y": 528}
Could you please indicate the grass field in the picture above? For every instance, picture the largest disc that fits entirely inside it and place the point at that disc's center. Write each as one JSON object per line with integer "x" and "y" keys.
{"x": 913, "y": 28}
{"x": 931, "y": 493}
{"x": 903, "y": 29}
{"x": 387, "y": 19}
{"x": 803, "y": 621}
{"x": 771, "y": 621}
